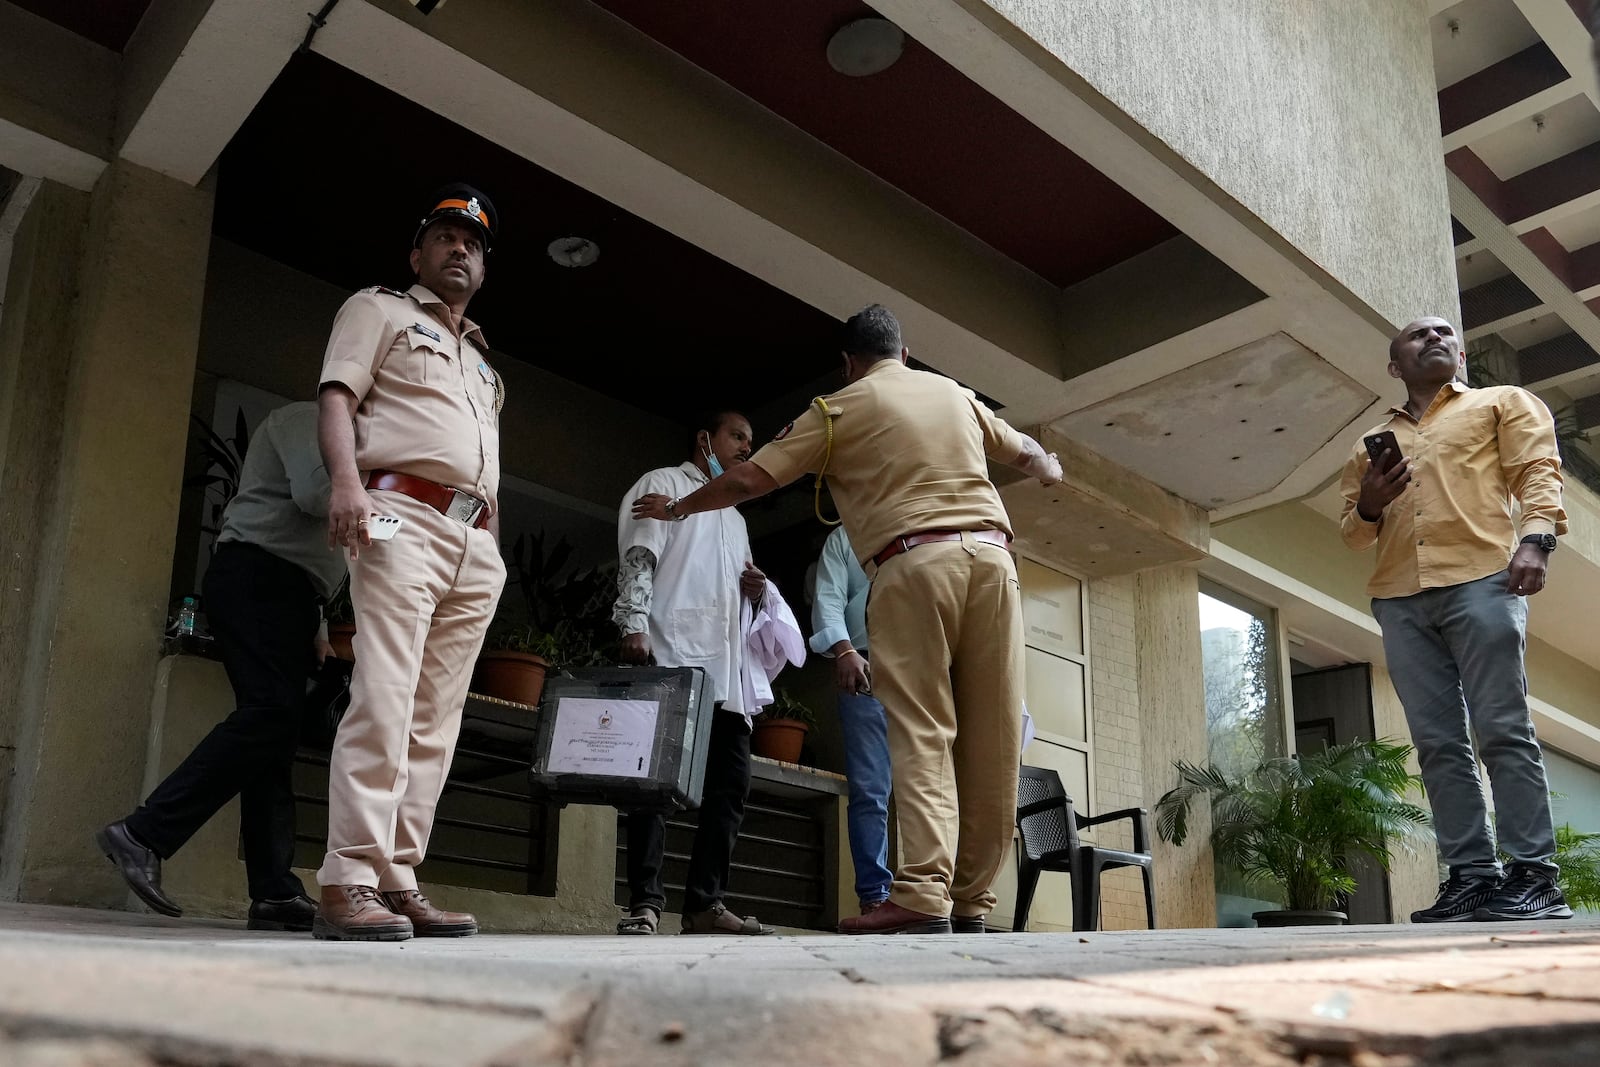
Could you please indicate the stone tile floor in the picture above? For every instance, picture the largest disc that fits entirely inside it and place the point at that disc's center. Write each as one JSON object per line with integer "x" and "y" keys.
{"x": 133, "y": 990}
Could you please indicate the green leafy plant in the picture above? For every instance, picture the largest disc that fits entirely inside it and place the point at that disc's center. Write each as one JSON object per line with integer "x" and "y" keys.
{"x": 224, "y": 459}
{"x": 557, "y": 611}
{"x": 785, "y": 706}
{"x": 1296, "y": 822}
{"x": 1578, "y": 856}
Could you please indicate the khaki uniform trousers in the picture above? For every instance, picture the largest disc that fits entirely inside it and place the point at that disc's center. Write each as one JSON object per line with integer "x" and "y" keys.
{"x": 423, "y": 602}
{"x": 945, "y": 625}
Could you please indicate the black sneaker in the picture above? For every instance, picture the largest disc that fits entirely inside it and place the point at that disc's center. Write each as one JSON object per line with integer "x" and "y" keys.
{"x": 1528, "y": 894}
{"x": 295, "y": 914}
{"x": 1459, "y": 900}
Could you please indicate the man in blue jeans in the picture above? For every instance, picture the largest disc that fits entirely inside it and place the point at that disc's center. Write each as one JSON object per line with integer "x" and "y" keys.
{"x": 1450, "y": 593}
{"x": 839, "y": 630}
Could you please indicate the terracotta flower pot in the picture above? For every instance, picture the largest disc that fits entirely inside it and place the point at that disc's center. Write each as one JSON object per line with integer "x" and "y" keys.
{"x": 514, "y": 676}
{"x": 342, "y": 635}
{"x": 779, "y": 739}
{"x": 1300, "y": 918}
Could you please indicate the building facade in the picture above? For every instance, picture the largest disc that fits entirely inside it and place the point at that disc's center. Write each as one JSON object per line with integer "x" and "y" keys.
{"x": 1172, "y": 240}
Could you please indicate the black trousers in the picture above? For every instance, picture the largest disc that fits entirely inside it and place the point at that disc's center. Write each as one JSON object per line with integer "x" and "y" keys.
{"x": 727, "y": 784}
{"x": 263, "y": 612}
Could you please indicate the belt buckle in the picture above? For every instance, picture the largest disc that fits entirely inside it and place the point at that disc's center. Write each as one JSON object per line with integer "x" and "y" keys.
{"x": 463, "y": 507}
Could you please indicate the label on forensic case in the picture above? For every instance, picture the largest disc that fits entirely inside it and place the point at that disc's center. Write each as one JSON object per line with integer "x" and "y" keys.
{"x": 597, "y": 736}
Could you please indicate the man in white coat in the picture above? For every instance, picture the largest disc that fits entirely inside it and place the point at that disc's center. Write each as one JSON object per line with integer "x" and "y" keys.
{"x": 679, "y": 590}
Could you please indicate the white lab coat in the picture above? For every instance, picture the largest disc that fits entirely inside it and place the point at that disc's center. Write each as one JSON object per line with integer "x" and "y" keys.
{"x": 694, "y": 606}
{"x": 772, "y": 638}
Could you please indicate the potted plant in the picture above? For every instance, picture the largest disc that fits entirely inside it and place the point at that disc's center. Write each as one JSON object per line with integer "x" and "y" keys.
{"x": 1295, "y": 822}
{"x": 560, "y": 621}
{"x": 513, "y": 664}
{"x": 780, "y": 729}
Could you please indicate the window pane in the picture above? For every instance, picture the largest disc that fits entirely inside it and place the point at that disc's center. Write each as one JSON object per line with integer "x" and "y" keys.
{"x": 1244, "y": 714}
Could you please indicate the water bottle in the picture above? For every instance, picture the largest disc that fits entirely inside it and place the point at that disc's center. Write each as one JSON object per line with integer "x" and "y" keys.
{"x": 186, "y": 617}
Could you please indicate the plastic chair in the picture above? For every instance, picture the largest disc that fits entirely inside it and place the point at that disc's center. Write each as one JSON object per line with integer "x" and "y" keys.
{"x": 1050, "y": 842}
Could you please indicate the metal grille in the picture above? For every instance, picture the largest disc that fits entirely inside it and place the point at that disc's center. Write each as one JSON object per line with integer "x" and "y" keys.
{"x": 778, "y": 861}
{"x": 488, "y": 832}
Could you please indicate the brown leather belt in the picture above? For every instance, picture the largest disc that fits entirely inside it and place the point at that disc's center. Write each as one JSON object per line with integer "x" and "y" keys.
{"x": 906, "y": 542}
{"x": 453, "y": 503}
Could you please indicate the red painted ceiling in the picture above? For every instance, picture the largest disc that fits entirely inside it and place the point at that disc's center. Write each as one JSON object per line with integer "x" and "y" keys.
{"x": 105, "y": 22}
{"x": 920, "y": 125}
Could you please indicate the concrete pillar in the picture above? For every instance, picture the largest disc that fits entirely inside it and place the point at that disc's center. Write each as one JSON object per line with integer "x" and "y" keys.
{"x": 103, "y": 521}
{"x": 1172, "y": 725}
{"x": 36, "y": 335}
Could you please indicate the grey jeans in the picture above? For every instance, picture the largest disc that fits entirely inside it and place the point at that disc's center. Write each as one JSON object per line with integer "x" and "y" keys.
{"x": 1455, "y": 654}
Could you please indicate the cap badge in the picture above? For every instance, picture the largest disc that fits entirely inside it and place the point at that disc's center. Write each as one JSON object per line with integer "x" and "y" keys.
{"x": 472, "y": 206}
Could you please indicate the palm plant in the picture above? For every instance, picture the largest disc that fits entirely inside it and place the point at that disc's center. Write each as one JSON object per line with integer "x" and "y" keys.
{"x": 1296, "y": 822}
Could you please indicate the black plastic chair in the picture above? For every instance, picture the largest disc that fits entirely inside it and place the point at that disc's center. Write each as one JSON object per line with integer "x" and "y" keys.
{"x": 1050, "y": 842}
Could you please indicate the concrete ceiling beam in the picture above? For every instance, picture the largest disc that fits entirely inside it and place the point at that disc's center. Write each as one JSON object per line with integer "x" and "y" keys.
{"x": 1168, "y": 356}
{"x": 56, "y": 96}
{"x": 194, "y": 70}
{"x": 1522, "y": 260}
{"x": 1521, "y": 110}
{"x": 711, "y": 166}
{"x": 1558, "y": 24}
{"x": 1502, "y": 94}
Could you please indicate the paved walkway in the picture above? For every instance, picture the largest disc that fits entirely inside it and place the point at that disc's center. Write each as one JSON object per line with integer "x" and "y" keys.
{"x": 121, "y": 990}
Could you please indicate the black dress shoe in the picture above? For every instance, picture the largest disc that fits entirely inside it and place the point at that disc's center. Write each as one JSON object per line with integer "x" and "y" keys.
{"x": 295, "y": 914}
{"x": 967, "y": 924}
{"x": 140, "y": 867}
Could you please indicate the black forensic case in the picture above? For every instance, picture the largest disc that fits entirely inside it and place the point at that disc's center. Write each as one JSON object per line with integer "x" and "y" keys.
{"x": 594, "y": 745}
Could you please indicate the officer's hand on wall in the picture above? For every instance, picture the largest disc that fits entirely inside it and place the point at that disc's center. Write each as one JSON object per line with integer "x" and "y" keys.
{"x": 636, "y": 649}
{"x": 1052, "y": 473}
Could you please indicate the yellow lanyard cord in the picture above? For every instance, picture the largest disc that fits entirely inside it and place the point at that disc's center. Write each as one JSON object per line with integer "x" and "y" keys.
{"x": 827, "y": 456}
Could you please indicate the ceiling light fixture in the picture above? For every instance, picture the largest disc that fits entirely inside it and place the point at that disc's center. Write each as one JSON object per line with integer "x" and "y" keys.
{"x": 573, "y": 251}
{"x": 865, "y": 47}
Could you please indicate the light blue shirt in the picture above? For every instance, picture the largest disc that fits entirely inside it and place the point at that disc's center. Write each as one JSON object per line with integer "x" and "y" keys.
{"x": 839, "y": 611}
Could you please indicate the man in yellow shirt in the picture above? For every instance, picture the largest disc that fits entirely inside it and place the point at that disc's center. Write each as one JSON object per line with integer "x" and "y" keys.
{"x": 904, "y": 452}
{"x": 1454, "y": 612}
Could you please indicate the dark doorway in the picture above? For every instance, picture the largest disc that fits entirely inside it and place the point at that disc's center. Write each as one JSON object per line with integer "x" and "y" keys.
{"x": 1333, "y": 706}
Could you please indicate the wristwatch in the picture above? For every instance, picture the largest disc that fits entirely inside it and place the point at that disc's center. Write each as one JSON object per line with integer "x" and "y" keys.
{"x": 1546, "y": 542}
{"x": 672, "y": 510}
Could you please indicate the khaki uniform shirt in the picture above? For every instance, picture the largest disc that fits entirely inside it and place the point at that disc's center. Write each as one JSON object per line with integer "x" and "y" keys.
{"x": 1472, "y": 452}
{"x": 908, "y": 456}
{"x": 429, "y": 400}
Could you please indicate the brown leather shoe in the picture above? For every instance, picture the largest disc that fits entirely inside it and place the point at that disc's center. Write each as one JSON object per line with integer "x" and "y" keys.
{"x": 891, "y": 918}
{"x": 427, "y": 920}
{"x": 356, "y": 913}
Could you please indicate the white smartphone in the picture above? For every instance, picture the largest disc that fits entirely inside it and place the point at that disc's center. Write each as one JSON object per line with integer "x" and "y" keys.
{"x": 383, "y": 527}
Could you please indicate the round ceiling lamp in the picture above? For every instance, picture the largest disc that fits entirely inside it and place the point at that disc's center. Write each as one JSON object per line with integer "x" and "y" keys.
{"x": 865, "y": 47}
{"x": 573, "y": 251}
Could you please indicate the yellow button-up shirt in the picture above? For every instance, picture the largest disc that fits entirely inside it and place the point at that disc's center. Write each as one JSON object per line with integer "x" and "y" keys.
{"x": 1472, "y": 453}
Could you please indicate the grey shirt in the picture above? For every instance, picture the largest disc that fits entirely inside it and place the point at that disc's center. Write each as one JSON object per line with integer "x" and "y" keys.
{"x": 282, "y": 503}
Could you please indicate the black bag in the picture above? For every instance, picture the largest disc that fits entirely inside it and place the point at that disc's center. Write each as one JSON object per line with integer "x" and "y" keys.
{"x": 631, "y": 737}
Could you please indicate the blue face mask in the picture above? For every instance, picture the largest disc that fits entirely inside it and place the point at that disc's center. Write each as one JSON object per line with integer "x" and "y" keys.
{"x": 712, "y": 464}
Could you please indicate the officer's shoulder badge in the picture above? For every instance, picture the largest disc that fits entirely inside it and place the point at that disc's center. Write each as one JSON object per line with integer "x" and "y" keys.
{"x": 385, "y": 290}
{"x": 781, "y": 434}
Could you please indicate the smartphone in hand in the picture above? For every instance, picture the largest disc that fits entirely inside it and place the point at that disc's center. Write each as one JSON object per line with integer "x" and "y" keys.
{"x": 1379, "y": 443}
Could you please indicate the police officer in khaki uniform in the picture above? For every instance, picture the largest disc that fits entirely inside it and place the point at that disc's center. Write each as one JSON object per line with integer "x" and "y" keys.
{"x": 409, "y": 427}
{"x": 904, "y": 452}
